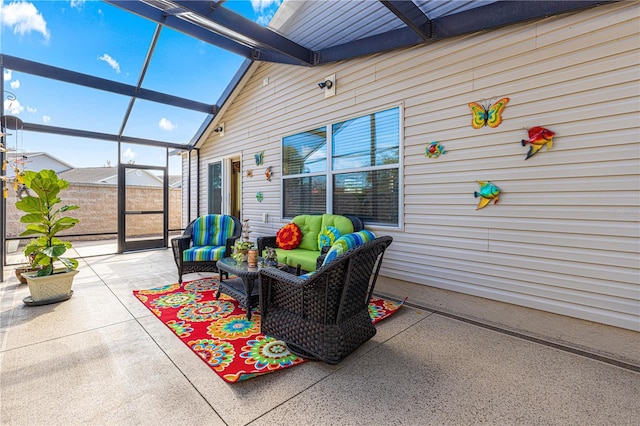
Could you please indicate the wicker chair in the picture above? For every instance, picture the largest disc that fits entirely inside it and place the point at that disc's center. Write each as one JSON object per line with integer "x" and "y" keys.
{"x": 326, "y": 315}
{"x": 216, "y": 250}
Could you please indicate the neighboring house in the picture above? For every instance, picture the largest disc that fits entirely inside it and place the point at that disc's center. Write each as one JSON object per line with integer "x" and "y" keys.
{"x": 564, "y": 236}
{"x": 35, "y": 161}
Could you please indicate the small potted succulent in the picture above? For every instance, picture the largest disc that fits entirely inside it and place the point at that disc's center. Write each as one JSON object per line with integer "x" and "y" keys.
{"x": 44, "y": 221}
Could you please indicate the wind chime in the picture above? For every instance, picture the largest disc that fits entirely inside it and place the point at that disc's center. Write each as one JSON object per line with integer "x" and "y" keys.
{"x": 14, "y": 160}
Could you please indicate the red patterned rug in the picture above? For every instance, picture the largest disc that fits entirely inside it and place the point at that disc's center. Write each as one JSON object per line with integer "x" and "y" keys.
{"x": 219, "y": 332}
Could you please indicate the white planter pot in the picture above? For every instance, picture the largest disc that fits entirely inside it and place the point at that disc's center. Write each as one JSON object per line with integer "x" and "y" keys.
{"x": 49, "y": 289}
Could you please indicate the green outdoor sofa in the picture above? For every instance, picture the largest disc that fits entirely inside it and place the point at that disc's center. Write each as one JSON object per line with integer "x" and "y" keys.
{"x": 305, "y": 257}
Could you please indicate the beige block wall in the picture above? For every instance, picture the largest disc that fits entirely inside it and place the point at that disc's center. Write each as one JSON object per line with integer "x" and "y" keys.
{"x": 98, "y": 212}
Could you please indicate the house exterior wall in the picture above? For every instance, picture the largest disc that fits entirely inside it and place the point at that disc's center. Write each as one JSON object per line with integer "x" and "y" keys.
{"x": 565, "y": 235}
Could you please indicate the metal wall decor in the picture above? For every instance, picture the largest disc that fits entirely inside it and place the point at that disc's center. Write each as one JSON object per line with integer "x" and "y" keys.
{"x": 434, "y": 150}
{"x": 488, "y": 191}
{"x": 538, "y": 137}
{"x": 486, "y": 114}
{"x": 259, "y": 158}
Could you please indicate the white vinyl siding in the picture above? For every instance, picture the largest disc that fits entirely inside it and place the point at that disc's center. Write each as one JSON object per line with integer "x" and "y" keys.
{"x": 565, "y": 235}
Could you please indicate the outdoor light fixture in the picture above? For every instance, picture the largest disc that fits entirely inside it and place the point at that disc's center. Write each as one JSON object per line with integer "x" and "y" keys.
{"x": 326, "y": 83}
{"x": 219, "y": 129}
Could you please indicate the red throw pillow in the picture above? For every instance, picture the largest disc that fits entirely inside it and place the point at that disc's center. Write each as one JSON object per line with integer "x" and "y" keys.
{"x": 289, "y": 236}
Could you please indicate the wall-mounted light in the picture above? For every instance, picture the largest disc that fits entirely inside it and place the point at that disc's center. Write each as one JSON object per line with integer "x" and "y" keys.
{"x": 328, "y": 85}
{"x": 220, "y": 129}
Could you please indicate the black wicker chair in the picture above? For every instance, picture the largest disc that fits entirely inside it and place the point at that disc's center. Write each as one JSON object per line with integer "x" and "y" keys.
{"x": 325, "y": 316}
{"x": 180, "y": 244}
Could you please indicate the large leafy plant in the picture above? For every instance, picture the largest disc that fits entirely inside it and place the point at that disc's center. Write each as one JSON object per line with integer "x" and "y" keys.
{"x": 45, "y": 220}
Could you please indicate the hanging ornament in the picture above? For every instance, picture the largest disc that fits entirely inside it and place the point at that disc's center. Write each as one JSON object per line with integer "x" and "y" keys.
{"x": 9, "y": 122}
{"x": 267, "y": 173}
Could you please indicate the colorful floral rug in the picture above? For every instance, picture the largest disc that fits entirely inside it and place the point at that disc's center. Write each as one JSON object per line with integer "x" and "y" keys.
{"x": 220, "y": 334}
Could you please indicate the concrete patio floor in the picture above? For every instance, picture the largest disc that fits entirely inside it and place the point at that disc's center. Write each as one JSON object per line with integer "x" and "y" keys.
{"x": 101, "y": 358}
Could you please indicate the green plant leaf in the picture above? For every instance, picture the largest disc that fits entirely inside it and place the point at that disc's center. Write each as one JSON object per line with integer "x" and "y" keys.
{"x": 69, "y": 262}
{"x": 30, "y": 204}
{"x": 55, "y": 251}
{"x": 47, "y": 270}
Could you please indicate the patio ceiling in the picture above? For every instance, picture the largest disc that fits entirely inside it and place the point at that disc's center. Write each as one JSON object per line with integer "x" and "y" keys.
{"x": 304, "y": 33}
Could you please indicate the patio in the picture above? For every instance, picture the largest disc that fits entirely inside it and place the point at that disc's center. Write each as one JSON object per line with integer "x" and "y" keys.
{"x": 102, "y": 358}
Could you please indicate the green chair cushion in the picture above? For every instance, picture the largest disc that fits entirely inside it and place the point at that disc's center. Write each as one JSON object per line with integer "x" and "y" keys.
{"x": 310, "y": 226}
{"x": 343, "y": 224}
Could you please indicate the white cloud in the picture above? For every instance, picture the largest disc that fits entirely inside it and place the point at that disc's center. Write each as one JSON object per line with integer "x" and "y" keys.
{"x": 46, "y": 119}
{"x": 23, "y": 17}
{"x": 265, "y": 9}
{"x": 15, "y": 84}
{"x": 77, "y": 3}
{"x": 13, "y": 107}
{"x": 167, "y": 125}
{"x": 31, "y": 109}
{"x": 112, "y": 62}
{"x": 7, "y": 75}
{"x": 129, "y": 154}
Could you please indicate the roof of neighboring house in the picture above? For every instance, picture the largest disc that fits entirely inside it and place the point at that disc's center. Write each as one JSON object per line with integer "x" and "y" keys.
{"x": 104, "y": 175}
{"x": 29, "y": 156}
{"x": 89, "y": 174}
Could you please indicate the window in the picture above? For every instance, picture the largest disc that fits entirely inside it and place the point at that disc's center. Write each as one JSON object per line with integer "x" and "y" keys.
{"x": 350, "y": 167}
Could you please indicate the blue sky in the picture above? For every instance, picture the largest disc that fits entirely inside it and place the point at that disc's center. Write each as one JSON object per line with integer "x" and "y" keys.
{"x": 96, "y": 38}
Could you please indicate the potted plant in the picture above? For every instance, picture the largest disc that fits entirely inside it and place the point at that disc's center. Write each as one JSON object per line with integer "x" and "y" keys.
{"x": 241, "y": 251}
{"x": 45, "y": 220}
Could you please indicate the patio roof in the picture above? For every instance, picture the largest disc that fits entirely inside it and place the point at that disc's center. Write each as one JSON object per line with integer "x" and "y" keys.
{"x": 304, "y": 33}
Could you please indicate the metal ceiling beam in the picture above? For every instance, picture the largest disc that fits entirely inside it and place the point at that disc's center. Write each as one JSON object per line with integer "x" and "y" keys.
{"x": 494, "y": 15}
{"x": 411, "y": 15}
{"x": 61, "y": 74}
{"x": 63, "y": 131}
{"x": 201, "y": 33}
{"x": 394, "y": 39}
{"x": 501, "y": 13}
{"x": 260, "y": 35}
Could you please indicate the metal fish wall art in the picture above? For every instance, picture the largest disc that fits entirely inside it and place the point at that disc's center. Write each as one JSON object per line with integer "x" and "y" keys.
{"x": 488, "y": 191}
{"x": 538, "y": 137}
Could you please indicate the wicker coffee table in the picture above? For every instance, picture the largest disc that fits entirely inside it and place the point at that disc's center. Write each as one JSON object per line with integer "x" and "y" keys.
{"x": 243, "y": 288}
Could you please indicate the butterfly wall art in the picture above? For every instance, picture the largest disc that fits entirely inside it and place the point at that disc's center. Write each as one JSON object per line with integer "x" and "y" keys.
{"x": 487, "y": 114}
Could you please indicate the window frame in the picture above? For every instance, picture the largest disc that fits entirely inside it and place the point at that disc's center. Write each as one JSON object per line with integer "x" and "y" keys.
{"x": 329, "y": 173}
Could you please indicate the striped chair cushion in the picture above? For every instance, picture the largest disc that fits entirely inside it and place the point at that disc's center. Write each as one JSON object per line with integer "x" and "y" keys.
{"x": 212, "y": 230}
{"x": 203, "y": 253}
{"x": 347, "y": 242}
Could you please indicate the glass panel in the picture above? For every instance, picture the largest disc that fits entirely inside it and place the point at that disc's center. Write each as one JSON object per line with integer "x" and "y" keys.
{"x": 90, "y": 37}
{"x": 215, "y": 188}
{"x": 89, "y": 167}
{"x": 371, "y": 140}
{"x": 372, "y": 195}
{"x": 260, "y": 12}
{"x": 305, "y": 152}
{"x": 203, "y": 80}
{"x": 151, "y": 120}
{"x": 54, "y": 103}
{"x": 304, "y": 195}
{"x": 143, "y": 155}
